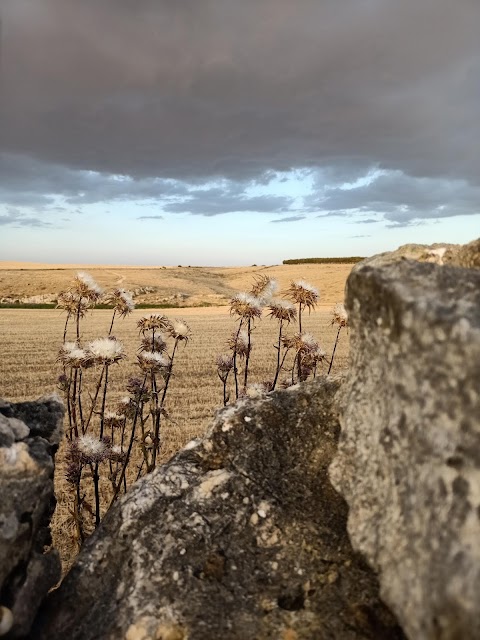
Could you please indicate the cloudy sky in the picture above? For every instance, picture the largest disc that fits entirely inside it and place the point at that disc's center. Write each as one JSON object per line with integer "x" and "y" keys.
{"x": 236, "y": 132}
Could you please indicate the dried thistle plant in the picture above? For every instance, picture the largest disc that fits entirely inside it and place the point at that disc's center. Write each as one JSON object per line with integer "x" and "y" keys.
{"x": 340, "y": 318}
{"x": 101, "y": 440}
{"x": 305, "y": 295}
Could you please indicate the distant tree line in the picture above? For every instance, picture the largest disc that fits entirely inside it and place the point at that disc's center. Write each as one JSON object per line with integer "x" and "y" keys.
{"x": 349, "y": 260}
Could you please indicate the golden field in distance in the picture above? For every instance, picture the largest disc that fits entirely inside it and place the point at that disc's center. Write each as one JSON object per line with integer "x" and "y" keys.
{"x": 178, "y": 286}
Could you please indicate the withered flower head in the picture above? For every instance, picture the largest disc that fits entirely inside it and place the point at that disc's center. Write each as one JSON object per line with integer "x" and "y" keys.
{"x": 122, "y": 301}
{"x": 304, "y": 293}
{"x": 263, "y": 289}
{"x": 340, "y": 315}
{"x": 245, "y": 306}
{"x": 303, "y": 342}
{"x": 282, "y": 310}
{"x": 152, "y": 322}
{"x": 91, "y": 449}
{"x": 113, "y": 419}
{"x": 239, "y": 343}
{"x": 106, "y": 350}
{"x": 152, "y": 362}
{"x": 180, "y": 330}
{"x": 224, "y": 363}
{"x": 157, "y": 344}
{"x": 73, "y": 303}
{"x": 86, "y": 287}
{"x": 72, "y": 355}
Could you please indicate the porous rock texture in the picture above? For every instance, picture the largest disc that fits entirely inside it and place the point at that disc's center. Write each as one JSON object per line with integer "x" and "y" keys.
{"x": 29, "y": 567}
{"x": 240, "y": 536}
{"x": 409, "y": 453}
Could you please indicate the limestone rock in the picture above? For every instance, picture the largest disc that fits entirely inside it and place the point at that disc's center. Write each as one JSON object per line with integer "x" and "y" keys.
{"x": 239, "y": 536}
{"x": 29, "y": 434}
{"x": 409, "y": 452}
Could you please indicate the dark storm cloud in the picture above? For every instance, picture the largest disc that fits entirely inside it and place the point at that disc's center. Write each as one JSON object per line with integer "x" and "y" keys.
{"x": 289, "y": 219}
{"x": 200, "y": 90}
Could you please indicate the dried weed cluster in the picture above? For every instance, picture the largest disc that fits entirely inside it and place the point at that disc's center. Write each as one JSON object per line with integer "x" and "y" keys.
{"x": 105, "y": 441}
{"x": 305, "y": 352}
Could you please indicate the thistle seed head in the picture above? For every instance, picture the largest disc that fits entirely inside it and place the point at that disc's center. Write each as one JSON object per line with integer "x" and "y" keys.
{"x": 91, "y": 449}
{"x": 113, "y": 419}
{"x": 86, "y": 287}
{"x": 282, "y": 310}
{"x": 72, "y": 355}
{"x": 152, "y": 362}
{"x": 340, "y": 315}
{"x": 158, "y": 343}
{"x": 106, "y": 350}
{"x": 73, "y": 303}
{"x": 152, "y": 322}
{"x": 245, "y": 306}
{"x": 263, "y": 289}
{"x": 239, "y": 344}
{"x": 304, "y": 293}
{"x": 224, "y": 363}
{"x": 180, "y": 330}
{"x": 122, "y": 301}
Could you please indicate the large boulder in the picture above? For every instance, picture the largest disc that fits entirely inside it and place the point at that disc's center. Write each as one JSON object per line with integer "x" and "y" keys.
{"x": 240, "y": 536}
{"x": 409, "y": 452}
{"x": 29, "y": 567}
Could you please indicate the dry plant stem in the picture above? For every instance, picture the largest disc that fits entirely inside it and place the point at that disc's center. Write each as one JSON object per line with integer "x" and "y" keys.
{"x": 77, "y": 509}
{"x": 69, "y": 405}
{"x": 334, "y": 349}
{"x": 74, "y": 404}
{"x": 300, "y": 317}
{"x": 235, "y": 370}
{"x": 247, "y": 357}
{"x": 65, "y": 328}
{"x": 94, "y": 401}
{"x": 79, "y": 395}
{"x": 130, "y": 445}
{"x": 96, "y": 477}
{"x": 111, "y": 324}
{"x": 156, "y": 439}
{"x": 278, "y": 348}
{"x": 79, "y": 307}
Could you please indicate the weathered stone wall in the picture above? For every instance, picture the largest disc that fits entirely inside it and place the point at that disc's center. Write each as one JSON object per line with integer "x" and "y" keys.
{"x": 29, "y": 435}
{"x": 239, "y": 536}
{"x": 409, "y": 453}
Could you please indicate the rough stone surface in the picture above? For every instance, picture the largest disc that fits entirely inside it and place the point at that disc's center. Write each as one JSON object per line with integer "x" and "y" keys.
{"x": 240, "y": 536}
{"x": 409, "y": 454}
{"x": 29, "y": 434}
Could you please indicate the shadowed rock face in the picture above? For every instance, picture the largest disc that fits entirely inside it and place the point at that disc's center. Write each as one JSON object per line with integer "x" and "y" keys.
{"x": 29, "y": 434}
{"x": 239, "y": 536}
{"x": 409, "y": 453}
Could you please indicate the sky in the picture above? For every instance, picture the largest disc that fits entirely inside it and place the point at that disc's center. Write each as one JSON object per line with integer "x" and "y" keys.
{"x": 220, "y": 132}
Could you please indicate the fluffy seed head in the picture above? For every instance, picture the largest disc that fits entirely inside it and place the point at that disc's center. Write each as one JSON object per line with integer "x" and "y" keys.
{"x": 245, "y": 306}
{"x": 224, "y": 363}
{"x": 152, "y": 361}
{"x": 180, "y": 330}
{"x": 106, "y": 350}
{"x": 122, "y": 301}
{"x": 282, "y": 310}
{"x": 72, "y": 355}
{"x": 91, "y": 449}
{"x": 303, "y": 342}
{"x": 304, "y": 293}
{"x": 263, "y": 289}
{"x": 340, "y": 315}
{"x": 86, "y": 286}
{"x": 113, "y": 419}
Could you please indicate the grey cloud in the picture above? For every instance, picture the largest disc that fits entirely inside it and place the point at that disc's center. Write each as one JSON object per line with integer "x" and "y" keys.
{"x": 150, "y": 218}
{"x": 289, "y": 219}
{"x": 227, "y": 199}
{"x": 400, "y": 199}
{"x": 360, "y": 236}
{"x": 14, "y": 218}
{"x": 197, "y": 90}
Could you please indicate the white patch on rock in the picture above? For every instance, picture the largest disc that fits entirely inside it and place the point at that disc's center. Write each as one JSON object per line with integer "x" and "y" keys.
{"x": 211, "y": 481}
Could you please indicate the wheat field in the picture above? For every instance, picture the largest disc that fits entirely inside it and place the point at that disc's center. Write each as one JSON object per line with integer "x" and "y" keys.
{"x": 30, "y": 341}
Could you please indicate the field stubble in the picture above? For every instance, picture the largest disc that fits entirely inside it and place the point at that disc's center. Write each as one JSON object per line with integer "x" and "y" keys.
{"x": 30, "y": 340}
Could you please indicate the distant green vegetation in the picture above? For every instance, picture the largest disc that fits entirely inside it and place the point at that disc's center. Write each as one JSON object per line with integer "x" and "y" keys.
{"x": 349, "y": 260}
{"x": 143, "y": 305}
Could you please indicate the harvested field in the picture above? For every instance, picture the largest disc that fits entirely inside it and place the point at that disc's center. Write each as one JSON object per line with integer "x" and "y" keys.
{"x": 30, "y": 340}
